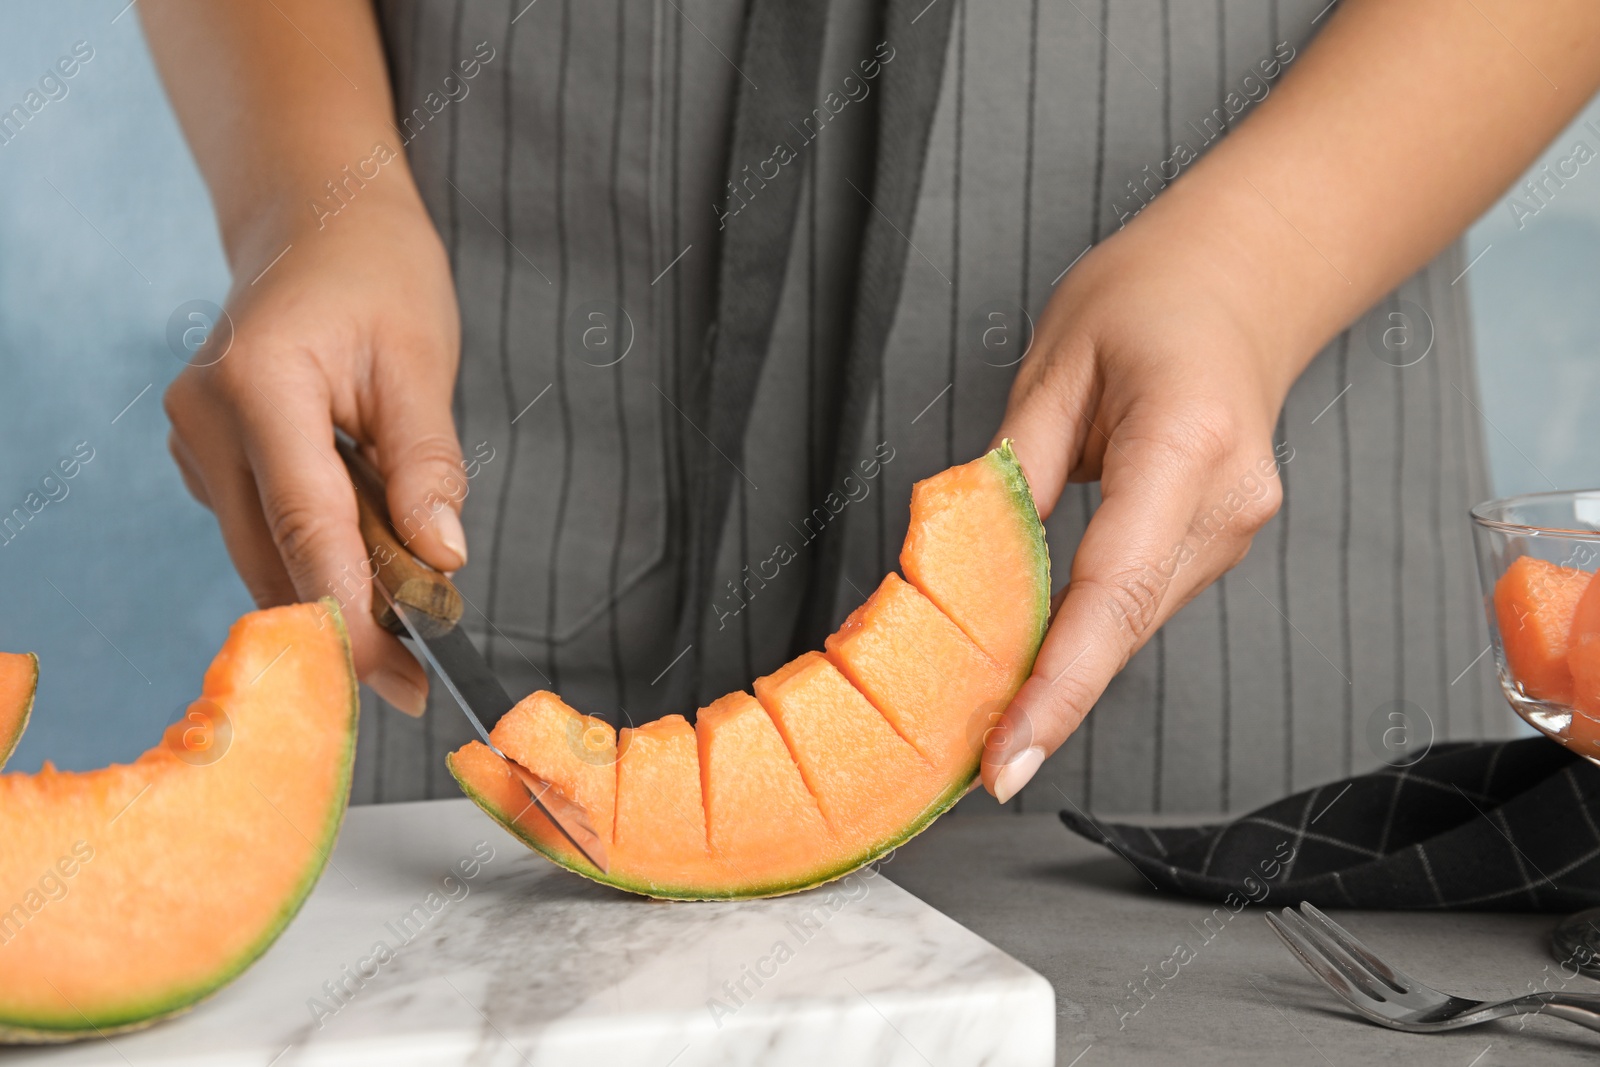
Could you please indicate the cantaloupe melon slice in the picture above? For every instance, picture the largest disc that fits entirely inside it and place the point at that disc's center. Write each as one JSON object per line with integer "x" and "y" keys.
{"x": 556, "y": 744}
{"x": 762, "y": 823}
{"x": 660, "y": 835}
{"x": 940, "y": 691}
{"x": 838, "y": 758}
{"x": 1535, "y": 603}
{"x": 129, "y": 893}
{"x": 19, "y": 680}
{"x": 869, "y": 781}
{"x": 951, "y": 545}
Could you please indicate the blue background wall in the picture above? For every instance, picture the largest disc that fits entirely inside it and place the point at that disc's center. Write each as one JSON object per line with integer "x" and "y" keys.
{"x": 145, "y": 589}
{"x": 123, "y": 587}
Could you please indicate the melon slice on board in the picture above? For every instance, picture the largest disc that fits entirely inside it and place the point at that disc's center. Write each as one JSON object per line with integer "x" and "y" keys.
{"x": 19, "y": 680}
{"x": 838, "y": 758}
{"x": 129, "y": 893}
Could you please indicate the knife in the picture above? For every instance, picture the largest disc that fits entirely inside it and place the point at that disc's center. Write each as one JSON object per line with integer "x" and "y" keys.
{"x": 421, "y": 604}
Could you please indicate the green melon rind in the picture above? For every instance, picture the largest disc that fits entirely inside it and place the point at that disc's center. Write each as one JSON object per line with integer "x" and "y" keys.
{"x": 125, "y": 1020}
{"x": 8, "y": 743}
{"x": 1004, "y": 460}
{"x": 942, "y": 804}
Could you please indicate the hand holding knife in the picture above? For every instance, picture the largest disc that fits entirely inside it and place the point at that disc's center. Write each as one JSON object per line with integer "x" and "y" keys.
{"x": 414, "y": 601}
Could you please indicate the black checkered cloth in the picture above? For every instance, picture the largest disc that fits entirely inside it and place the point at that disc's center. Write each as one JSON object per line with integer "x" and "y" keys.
{"x": 1502, "y": 826}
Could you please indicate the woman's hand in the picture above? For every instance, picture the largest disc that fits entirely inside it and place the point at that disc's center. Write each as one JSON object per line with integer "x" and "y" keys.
{"x": 1146, "y": 375}
{"x": 1161, "y": 364}
{"x": 355, "y": 327}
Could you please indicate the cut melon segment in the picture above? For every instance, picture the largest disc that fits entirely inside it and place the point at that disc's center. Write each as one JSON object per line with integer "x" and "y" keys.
{"x": 660, "y": 836}
{"x": 1535, "y": 603}
{"x": 763, "y": 824}
{"x": 138, "y": 889}
{"x": 939, "y": 690}
{"x": 492, "y": 785}
{"x": 822, "y": 772}
{"x": 976, "y": 549}
{"x": 576, "y": 754}
{"x": 1583, "y": 660}
{"x": 868, "y": 780}
{"x": 19, "y": 680}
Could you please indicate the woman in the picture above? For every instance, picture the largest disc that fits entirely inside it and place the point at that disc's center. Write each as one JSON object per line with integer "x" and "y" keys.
{"x": 1231, "y": 222}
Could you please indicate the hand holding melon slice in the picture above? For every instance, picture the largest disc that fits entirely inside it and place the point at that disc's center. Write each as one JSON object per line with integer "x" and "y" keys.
{"x": 839, "y": 756}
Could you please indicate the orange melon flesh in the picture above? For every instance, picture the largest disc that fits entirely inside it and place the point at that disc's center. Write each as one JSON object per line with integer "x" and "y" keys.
{"x": 660, "y": 837}
{"x": 836, "y": 761}
{"x": 938, "y": 689}
{"x": 491, "y": 784}
{"x": 763, "y": 824}
{"x": 575, "y": 753}
{"x": 975, "y": 548}
{"x": 19, "y": 679}
{"x": 867, "y": 779}
{"x": 1586, "y": 615}
{"x": 1583, "y": 660}
{"x": 138, "y": 889}
{"x": 1535, "y": 603}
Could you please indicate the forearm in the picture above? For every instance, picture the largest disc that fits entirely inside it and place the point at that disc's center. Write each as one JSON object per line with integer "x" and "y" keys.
{"x": 1396, "y": 128}
{"x": 276, "y": 97}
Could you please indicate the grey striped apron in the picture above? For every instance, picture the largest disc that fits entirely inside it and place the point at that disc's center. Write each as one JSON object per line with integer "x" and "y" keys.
{"x": 579, "y": 177}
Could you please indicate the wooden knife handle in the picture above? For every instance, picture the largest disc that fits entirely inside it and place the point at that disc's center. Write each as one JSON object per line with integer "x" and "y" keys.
{"x": 429, "y": 597}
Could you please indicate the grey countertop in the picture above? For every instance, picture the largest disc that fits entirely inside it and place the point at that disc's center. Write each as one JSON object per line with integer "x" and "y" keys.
{"x": 1089, "y": 923}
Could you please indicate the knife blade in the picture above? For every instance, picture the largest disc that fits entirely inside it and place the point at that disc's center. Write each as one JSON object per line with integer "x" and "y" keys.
{"x": 422, "y": 605}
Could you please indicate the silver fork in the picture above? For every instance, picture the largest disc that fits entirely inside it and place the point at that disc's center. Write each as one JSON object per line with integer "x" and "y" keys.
{"x": 1387, "y": 995}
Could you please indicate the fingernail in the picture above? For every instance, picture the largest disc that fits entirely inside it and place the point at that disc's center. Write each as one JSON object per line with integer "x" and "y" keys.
{"x": 1016, "y": 772}
{"x": 399, "y": 691}
{"x": 451, "y": 535}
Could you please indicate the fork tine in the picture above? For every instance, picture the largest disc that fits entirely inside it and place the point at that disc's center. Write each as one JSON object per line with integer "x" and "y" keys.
{"x": 1391, "y": 975}
{"x": 1368, "y": 983}
{"x": 1314, "y": 961}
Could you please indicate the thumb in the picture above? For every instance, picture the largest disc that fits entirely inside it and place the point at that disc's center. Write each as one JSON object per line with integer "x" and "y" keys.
{"x": 1046, "y": 419}
{"x": 419, "y": 456}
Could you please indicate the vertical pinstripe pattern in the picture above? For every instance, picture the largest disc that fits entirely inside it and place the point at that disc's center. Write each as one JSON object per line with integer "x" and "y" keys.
{"x": 957, "y": 159}
{"x": 453, "y": 204}
{"x": 1024, "y": 289}
{"x": 619, "y": 412}
{"x": 563, "y": 401}
{"x": 507, "y": 272}
{"x": 588, "y": 157}
{"x": 813, "y": 465}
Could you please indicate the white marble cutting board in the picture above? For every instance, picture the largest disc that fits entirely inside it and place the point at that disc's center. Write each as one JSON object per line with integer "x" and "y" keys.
{"x": 523, "y": 963}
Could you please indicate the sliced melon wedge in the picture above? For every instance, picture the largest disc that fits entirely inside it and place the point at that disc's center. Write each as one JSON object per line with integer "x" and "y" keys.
{"x": 838, "y": 758}
{"x": 982, "y": 564}
{"x": 19, "y": 680}
{"x": 129, "y": 893}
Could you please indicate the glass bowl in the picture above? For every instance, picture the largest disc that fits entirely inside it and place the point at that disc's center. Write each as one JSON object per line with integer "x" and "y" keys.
{"x": 1536, "y": 556}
